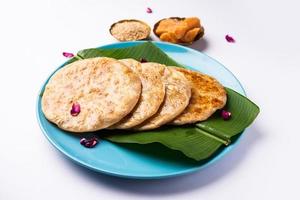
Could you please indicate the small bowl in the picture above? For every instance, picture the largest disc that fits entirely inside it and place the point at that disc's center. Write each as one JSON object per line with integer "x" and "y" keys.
{"x": 199, "y": 35}
{"x": 130, "y": 34}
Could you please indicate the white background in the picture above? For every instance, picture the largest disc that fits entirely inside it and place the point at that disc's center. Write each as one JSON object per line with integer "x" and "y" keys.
{"x": 265, "y": 58}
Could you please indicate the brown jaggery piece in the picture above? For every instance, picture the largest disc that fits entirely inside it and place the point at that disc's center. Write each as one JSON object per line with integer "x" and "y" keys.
{"x": 168, "y": 37}
{"x": 179, "y": 30}
{"x": 190, "y": 35}
{"x": 192, "y": 22}
{"x": 166, "y": 25}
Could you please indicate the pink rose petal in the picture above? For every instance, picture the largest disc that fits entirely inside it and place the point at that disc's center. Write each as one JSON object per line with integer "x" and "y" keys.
{"x": 149, "y": 10}
{"x": 143, "y": 60}
{"x": 89, "y": 143}
{"x": 226, "y": 115}
{"x": 82, "y": 140}
{"x": 75, "y": 109}
{"x": 68, "y": 55}
{"x": 230, "y": 39}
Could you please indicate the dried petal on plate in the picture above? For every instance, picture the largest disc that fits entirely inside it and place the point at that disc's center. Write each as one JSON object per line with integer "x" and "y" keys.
{"x": 229, "y": 39}
{"x": 68, "y": 55}
{"x": 75, "y": 109}
{"x": 149, "y": 10}
{"x": 225, "y": 114}
{"x": 89, "y": 143}
{"x": 143, "y": 60}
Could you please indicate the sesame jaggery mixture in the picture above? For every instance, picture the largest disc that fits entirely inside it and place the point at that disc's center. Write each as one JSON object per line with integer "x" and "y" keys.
{"x": 130, "y": 30}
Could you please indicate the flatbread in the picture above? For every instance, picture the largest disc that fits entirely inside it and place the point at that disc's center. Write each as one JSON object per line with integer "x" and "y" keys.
{"x": 153, "y": 92}
{"x": 105, "y": 89}
{"x": 208, "y": 95}
{"x": 178, "y": 93}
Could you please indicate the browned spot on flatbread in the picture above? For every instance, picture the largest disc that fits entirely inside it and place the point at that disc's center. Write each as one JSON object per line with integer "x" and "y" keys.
{"x": 208, "y": 95}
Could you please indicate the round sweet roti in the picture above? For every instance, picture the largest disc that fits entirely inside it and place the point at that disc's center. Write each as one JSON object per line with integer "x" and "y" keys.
{"x": 208, "y": 95}
{"x": 178, "y": 93}
{"x": 105, "y": 89}
{"x": 153, "y": 92}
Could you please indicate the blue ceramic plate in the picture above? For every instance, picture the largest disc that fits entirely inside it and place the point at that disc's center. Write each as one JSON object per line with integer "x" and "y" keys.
{"x": 141, "y": 161}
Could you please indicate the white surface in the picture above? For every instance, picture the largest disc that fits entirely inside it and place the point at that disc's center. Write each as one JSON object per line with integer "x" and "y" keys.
{"x": 266, "y": 58}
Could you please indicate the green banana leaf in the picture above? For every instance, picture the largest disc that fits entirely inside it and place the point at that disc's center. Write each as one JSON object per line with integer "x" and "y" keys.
{"x": 190, "y": 140}
{"x": 145, "y": 50}
{"x": 243, "y": 112}
{"x": 198, "y": 141}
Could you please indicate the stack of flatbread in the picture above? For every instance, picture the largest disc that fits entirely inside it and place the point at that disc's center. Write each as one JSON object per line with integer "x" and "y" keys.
{"x": 127, "y": 94}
